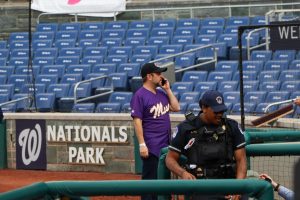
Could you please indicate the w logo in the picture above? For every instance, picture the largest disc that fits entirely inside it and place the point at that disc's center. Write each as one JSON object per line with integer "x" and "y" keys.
{"x": 31, "y": 144}
{"x": 73, "y": 2}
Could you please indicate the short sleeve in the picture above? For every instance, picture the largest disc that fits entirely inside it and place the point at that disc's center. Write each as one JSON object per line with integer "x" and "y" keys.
{"x": 137, "y": 105}
{"x": 178, "y": 139}
{"x": 238, "y": 136}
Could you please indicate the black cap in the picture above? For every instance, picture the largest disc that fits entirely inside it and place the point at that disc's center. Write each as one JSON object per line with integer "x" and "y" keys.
{"x": 149, "y": 68}
{"x": 213, "y": 99}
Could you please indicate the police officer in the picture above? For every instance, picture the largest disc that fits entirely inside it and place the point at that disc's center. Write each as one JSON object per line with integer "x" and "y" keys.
{"x": 214, "y": 145}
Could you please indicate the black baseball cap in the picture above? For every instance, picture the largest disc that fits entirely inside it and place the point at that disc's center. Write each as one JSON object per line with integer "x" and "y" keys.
{"x": 149, "y": 68}
{"x": 213, "y": 99}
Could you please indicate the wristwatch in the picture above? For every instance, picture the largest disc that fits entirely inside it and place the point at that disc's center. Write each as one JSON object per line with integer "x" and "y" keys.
{"x": 276, "y": 187}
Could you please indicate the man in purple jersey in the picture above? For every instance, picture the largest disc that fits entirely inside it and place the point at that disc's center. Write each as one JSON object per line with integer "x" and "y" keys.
{"x": 150, "y": 113}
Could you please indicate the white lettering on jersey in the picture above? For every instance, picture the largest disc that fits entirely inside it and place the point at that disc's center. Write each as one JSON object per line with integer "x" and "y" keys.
{"x": 159, "y": 110}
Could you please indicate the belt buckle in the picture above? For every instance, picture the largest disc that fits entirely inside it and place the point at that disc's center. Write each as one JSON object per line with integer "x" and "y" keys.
{"x": 200, "y": 172}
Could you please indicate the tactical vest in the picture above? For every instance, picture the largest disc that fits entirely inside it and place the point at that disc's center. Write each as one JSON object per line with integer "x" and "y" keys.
{"x": 210, "y": 150}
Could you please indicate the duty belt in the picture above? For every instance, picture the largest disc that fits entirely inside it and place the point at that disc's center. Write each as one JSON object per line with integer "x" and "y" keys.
{"x": 223, "y": 171}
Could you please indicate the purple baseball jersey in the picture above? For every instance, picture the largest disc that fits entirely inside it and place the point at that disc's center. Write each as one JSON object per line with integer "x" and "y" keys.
{"x": 153, "y": 110}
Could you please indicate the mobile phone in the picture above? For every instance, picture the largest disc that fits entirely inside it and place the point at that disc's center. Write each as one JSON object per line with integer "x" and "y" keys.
{"x": 163, "y": 81}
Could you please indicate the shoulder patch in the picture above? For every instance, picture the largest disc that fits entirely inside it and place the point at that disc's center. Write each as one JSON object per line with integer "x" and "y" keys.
{"x": 239, "y": 126}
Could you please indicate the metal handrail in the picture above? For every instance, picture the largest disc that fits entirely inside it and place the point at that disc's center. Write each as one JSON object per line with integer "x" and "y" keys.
{"x": 278, "y": 103}
{"x": 189, "y": 51}
{"x": 249, "y": 48}
{"x": 191, "y": 9}
{"x": 14, "y": 101}
{"x": 111, "y": 89}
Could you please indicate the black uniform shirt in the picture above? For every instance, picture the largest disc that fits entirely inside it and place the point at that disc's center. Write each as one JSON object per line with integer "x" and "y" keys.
{"x": 180, "y": 137}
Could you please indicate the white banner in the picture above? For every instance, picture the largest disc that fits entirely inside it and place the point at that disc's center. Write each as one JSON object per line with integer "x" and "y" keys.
{"x": 99, "y": 8}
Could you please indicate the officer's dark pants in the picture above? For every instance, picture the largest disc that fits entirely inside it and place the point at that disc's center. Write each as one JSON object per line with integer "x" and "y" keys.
{"x": 149, "y": 172}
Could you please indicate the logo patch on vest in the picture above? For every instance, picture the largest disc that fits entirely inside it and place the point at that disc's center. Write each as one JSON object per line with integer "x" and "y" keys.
{"x": 189, "y": 144}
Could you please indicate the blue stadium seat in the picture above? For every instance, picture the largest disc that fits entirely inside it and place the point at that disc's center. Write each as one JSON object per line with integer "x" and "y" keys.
{"x": 238, "y": 21}
{"x": 83, "y": 69}
{"x": 253, "y": 40}
{"x": 231, "y": 30}
{"x": 73, "y": 26}
{"x": 114, "y": 33}
{"x": 19, "y": 53}
{"x": 7, "y": 70}
{"x": 3, "y": 61}
{"x": 111, "y": 42}
{"x": 58, "y": 70}
{"x": 7, "y": 89}
{"x": 9, "y": 108}
{"x": 4, "y": 53}
{"x": 206, "y": 85}
{"x": 3, "y": 44}
{"x": 105, "y": 68}
{"x": 221, "y": 49}
{"x": 29, "y": 88}
{"x": 247, "y": 76}
{"x": 188, "y": 22}
{"x": 47, "y": 27}
{"x": 164, "y": 23}
{"x": 117, "y": 25}
{"x": 268, "y": 76}
{"x": 219, "y": 76}
{"x": 67, "y": 60}
{"x": 41, "y": 61}
{"x": 92, "y": 60}
{"x": 46, "y": 52}
{"x": 45, "y": 102}
{"x": 22, "y": 105}
{"x": 135, "y": 83}
{"x": 140, "y": 24}
{"x": 249, "y": 108}
{"x": 71, "y": 78}
{"x": 206, "y": 39}
{"x": 182, "y": 87}
{"x": 17, "y": 61}
{"x": 228, "y": 65}
{"x": 83, "y": 90}
{"x": 253, "y": 65}
{"x": 250, "y": 86}
{"x": 24, "y": 70}
{"x": 66, "y": 35}
{"x": 108, "y": 108}
{"x": 37, "y": 44}
{"x": 185, "y": 60}
{"x": 83, "y": 108}
{"x": 194, "y": 76}
{"x": 186, "y": 31}
{"x": 18, "y": 81}
{"x": 263, "y": 55}
{"x": 46, "y": 79}
{"x": 255, "y": 96}
{"x": 295, "y": 64}
{"x": 120, "y": 97}
{"x": 270, "y": 85}
{"x": 18, "y": 36}
{"x": 93, "y": 26}
{"x": 141, "y": 59}
{"x": 289, "y": 75}
{"x": 136, "y": 41}
{"x": 288, "y": 55}
{"x": 170, "y": 49}
{"x": 184, "y": 40}
{"x": 138, "y": 32}
{"x": 189, "y": 97}
{"x": 70, "y": 51}
{"x": 194, "y": 108}
{"x": 88, "y": 43}
{"x": 276, "y": 96}
{"x": 89, "y": 35}
{"x": 296, "y": 113}
{"x": 149, "y": 49}
{"x": 276, "y": 65}
{"x": 126, "y": 108}
{"x": 211, "y": 30}
{"x": 3, "y": 79}
{"x": 260, "y": 108}
{"x": 19, "y": 44}
{"x": 117, "y": 59}
{"x": 234, "y": 53}
{"x": 230, "y": 39}
{"x": 60, "y": 90}
{"x": 231, "y": 97}
{"x": 118, "y": 80}
{"x": 228, "y": 86}
{"x": 290, "y": 86}
{"x": 162, "y": 32}
{"x": 65, "y": 43}
{"x": 132, "y": 69}
{"x": 95, "y": 51}
{"x": 159, "y": 41}
{"x": 96, "y": 83}
{"x": 258, "y": 20}
{"x": 124, "y": 50}
{"x": 213, "y": 21}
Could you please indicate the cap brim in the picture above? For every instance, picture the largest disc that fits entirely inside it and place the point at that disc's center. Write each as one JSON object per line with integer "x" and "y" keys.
{"x": 161, "y": 69}
{"x": 219, "y": 108}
